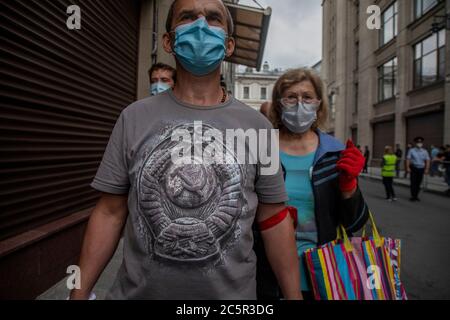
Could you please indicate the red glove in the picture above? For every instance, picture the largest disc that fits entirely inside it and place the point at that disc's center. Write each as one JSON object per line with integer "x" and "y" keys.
{"x": 350, "y": 165}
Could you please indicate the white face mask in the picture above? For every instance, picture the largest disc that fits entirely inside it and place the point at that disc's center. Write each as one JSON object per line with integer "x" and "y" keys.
{"x": 419, "y": 145}
{"x": 300, "y": 118}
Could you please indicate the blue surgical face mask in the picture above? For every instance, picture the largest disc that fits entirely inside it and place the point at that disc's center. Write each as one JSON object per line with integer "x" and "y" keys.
{"x": 300, "y": 118}
{"x": 199, "y": 48}
{"x": 158, "y": 87}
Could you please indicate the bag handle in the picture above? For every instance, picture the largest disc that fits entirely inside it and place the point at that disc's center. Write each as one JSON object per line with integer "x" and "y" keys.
{"x": 342, "y": 235}
{"x": 375, "y": 234}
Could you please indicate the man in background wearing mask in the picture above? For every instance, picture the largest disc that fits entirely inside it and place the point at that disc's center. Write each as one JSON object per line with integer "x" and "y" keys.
{"x": 187, "y": 228}
{"x": 417, "y": 164}
{"x": 162, "y": 77}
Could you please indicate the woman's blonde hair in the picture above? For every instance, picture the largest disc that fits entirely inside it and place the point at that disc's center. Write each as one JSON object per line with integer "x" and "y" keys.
{"x": 286, "y": 81}
{"x": 388, "y": 150}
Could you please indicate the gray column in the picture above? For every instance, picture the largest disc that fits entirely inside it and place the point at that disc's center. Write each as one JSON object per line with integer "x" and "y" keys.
{"x": 367, "y": 77}
{"x": 341, "y": 71}
{"x": 404, "y": 56}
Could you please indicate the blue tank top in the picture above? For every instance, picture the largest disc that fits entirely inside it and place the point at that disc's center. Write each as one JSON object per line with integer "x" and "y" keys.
{"x": 299, "y": 189}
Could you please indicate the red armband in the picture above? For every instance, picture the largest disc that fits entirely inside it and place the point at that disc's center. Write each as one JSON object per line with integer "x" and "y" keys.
{"x": 278, "y": 218}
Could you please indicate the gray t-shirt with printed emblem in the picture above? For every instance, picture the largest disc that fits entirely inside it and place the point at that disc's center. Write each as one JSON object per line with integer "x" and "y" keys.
{"x": 188, "y": 233}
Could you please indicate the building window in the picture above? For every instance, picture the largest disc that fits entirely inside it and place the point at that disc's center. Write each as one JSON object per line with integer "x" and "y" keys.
{"x": 389, "y": 28}
{"x": 423, "y": 6}
{"x": 356, "y": 95}
{"x": 246, "y": 92}
{"x": 429, "y": 60}
{"x": 387, "y": 85}
{"x": 263, "y": 93}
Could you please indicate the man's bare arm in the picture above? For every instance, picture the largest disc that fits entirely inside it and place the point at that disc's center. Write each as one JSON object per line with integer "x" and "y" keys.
{"x": 281, "y": 250}
{"x": 100, "y": 241}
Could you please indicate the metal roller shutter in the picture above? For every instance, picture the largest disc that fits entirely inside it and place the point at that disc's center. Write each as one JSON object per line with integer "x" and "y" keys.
{"x": 430, "y": 126}
{"x": 383, "y": 135}
{"x": 61, "y": 93}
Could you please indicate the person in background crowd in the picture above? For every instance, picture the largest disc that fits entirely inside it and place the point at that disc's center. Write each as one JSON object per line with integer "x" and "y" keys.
{"x": 443, "y": 163}
{"x": 162, "y": 77}
{"x": 367, "y": 159}
{"x": 321, "y": 173}
{"x": 399, "y": 155}
{"x": 447, "y": 167}
{"x": 434, "y": 164}
{"x": 388, "y": 166}
{"x": 417, "y": 164}
{"x": 265, "y": 109}
{"x": 408, "y": 147}
{"x": 439, "y": 162}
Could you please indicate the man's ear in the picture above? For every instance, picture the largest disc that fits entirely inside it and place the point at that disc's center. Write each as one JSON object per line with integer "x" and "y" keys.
{"x": 167, "y": 43}
{"x": 230, "y": 44}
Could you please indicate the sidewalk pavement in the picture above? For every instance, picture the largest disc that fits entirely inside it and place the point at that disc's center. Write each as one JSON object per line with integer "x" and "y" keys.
{"x": 434, "y": 184}
{"x": 60, "y": 292}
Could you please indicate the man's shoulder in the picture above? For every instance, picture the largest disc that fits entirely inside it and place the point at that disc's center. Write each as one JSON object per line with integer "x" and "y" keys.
{"x": 144, "y": 108}
{"x": 260, "y": 120}
{"x": 144, "y": 104}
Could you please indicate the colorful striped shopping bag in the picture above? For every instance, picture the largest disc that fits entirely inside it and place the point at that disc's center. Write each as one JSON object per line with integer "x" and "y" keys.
{"x": 360, "y": 268}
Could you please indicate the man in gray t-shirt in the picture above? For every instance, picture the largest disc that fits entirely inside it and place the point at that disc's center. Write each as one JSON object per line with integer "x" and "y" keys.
{"x": 187, "y": 226}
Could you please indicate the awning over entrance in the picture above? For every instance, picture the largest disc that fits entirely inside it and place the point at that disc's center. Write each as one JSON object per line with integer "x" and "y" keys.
{"x": 250, "y": 34}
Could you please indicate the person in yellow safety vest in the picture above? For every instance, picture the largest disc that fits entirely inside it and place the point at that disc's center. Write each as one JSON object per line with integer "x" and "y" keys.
{"x": 388, "y": 172}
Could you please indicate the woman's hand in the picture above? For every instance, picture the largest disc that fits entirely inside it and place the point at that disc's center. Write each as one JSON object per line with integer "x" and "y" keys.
{"x": 350, "y": 166}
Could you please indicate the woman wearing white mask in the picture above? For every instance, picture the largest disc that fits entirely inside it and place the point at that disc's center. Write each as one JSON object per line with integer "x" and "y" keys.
{"x": 320, "y": 172}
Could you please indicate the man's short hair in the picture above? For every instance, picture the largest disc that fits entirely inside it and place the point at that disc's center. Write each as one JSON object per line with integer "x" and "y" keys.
{"x": 230, "y": 23}
{"x": 163, "y": 66}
